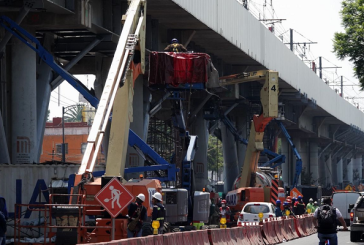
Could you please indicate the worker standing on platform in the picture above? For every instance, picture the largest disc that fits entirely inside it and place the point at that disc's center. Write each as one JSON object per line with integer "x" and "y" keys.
{"x": 175, "y": 47}
{"x": 299, "y": 206}
{"x": 158, "y": 213}
{"x": 137, "y": 213}
{"x": 310, "y": 208}
{"x": 278, "y": 210}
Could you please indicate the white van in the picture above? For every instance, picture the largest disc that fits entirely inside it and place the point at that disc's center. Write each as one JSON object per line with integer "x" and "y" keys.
{"x": 341, "y": 200}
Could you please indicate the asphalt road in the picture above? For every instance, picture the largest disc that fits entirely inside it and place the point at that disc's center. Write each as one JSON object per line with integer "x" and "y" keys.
{"x": 343, "y": 238}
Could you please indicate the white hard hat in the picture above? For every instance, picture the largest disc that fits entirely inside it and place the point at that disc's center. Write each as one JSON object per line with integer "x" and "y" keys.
{"x": 311, "y": 200}
{"x": 141, "y": 197}
{"x": 157, "y": 196}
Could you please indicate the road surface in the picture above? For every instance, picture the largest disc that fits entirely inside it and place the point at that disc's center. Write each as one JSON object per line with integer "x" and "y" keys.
{"x": 343, "y": 238}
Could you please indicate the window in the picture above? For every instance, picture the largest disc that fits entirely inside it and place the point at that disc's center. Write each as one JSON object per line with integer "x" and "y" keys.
{"x": 59, "y": 148}
{"x": 83, "y": 148}
{"x": 256, "y": 209}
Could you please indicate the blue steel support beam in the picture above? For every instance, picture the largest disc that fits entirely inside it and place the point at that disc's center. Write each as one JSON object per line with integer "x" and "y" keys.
{"x": 35, "y": 45}
{"x": 295, "y": 152}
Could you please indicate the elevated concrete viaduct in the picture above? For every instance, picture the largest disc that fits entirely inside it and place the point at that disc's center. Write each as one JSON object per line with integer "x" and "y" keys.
{"x": 82, "y": 35}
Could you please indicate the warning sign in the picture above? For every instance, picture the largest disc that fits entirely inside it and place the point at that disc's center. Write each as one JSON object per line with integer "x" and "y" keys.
{"x": 114, "y": 197}
{"x": 360, "y": 187}
{"x": 348, "y": 188}
{"x": 295, "y": 193}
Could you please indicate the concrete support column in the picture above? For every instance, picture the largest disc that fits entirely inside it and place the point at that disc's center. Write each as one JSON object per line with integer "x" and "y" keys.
{"x": 231, "y": 170}
{"x": 304, "y": 152}
{"x": 298, "y": 145}
{"x": 350, "y": 169}
{"x": 334, "y": 175}
{"x": 24, "y": 106}
{"x": 4, "y": 152}
{"x": 241, "y": 125}
{"x": 345, "y": 169}
{"x": 132, "y": 158}
{"x": 329, "y": 172}
{"x": 147, "y": 98}
{"x": 314, "y": 161}
{"x": 358, "y": 169}
{"x": 340, "y": 170}
{"x": 286, "y": 164}
{"x": 44, "y": 77}
{"x": 322, "y": 171}
{"x": 200, "y": 162}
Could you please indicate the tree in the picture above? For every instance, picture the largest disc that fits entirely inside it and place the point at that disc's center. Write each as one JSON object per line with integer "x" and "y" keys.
{"x": 350, "y": 43}
{"x": 74, "y": 113}
{"x": 215, "y": 160}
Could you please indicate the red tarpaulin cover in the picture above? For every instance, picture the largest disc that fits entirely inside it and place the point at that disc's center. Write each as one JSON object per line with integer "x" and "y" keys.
{"x": 177, "y": 68}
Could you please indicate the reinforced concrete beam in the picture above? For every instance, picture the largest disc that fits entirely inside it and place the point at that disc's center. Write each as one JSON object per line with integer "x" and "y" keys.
{"x": 56, "y": 82}
{"x": 23, "y": 12}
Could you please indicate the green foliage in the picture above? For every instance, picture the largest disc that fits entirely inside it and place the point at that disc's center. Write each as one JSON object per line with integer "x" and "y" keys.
{"x": 215, "y": 160}
{"x": 74, "y": 113}
{"x": 350, "y": 43}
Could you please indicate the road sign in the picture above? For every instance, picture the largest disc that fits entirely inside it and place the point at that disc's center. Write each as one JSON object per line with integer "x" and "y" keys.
{"x": 348, "y": 188}
{"x": 360, "y": 187}
{"x": 114, "y": 197}
{"x": 295, "y": 193}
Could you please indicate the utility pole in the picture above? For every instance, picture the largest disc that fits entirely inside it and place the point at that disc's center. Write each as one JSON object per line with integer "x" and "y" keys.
{"x": 291, "y": 39}
{"x": 63, "y": 138}
{"x": 342, "y": 87}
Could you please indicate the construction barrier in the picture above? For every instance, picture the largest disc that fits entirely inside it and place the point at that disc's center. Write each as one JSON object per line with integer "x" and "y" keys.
{"x": 271, "y": 231}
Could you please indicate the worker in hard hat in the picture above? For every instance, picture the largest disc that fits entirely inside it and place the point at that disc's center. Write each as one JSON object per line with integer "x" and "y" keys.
{"x": 224, "y": 211}
{"x": 141, "y": 177}
{"x": 287, "y": 211}
{"x": 315, "y": 206}
{"x": 299, "y": 206}
{"x": 175, "y": 46}
{"x": 158, "y": 213}
{"x": 310, "y": 208}
{"x": 278, "y": 210}
{"x": 137, "y": 214}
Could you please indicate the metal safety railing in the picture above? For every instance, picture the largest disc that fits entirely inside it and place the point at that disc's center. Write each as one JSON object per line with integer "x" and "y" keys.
{"x": 56, "y": 217}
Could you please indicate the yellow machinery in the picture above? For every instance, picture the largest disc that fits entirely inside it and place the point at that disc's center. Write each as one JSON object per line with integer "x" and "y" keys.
{"x": 269, "y": 98}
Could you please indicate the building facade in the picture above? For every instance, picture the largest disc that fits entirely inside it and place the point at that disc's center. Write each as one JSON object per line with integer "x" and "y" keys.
{"x": 76, "y": 134}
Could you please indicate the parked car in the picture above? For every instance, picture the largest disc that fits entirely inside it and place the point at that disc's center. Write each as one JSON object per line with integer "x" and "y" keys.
{"x": 357, "y": 220}
{"x": 251, "y": 210}
{"x": 342, "y": 200}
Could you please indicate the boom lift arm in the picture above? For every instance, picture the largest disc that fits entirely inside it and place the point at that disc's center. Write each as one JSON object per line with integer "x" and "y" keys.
{"x": 269, "y": 99}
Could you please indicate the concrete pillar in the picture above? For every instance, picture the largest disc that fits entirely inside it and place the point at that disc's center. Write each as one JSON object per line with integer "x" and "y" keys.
{"x": 329, "y": 171}
{"x": 4, "y": 152}
{"x": 350, "y": 169}
{"x": 314, "y": 162}
{"x": 339, "y": 167}
{"x": 334, "y": 174}
{"x": 304, "y": 152}
{"x": 147, "y": 98}
{"x": 231, "y": 170}
{"x": 241, "y": 125}
{"x": 297, "y": 142}
{"x": 200, "y": 163}
{"x": 23, "y": 100}
{"x": 322, "y": 171}
{"x": 345, "y": 169}
{"x": 132, "y": 158}
{"x": 358, "y": 169}
{"x": 44, "y": 77}
{"x": 286, "y": 165}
